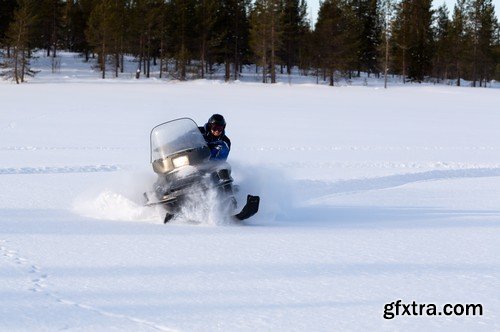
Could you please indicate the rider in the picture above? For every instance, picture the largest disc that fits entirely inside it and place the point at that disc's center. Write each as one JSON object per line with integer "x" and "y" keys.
{"x": 214, "y": 134}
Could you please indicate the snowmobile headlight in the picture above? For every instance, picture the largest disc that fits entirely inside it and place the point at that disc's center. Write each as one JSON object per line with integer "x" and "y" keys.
{"x": 180, "y": 161}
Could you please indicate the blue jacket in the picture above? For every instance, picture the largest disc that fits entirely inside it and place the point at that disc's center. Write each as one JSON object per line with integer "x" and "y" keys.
{"x": 219, "y": 146}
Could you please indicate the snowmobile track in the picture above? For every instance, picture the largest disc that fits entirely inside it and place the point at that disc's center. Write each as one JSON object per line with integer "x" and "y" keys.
{"x": 61, "y": 170}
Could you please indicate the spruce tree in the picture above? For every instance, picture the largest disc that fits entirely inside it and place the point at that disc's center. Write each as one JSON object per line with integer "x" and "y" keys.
{"x": 295, "y": 26}
{"x": 49, "y": 30}
{"x": 460, "y": 42}
{"x": 6, "y": 16}
{"x": 181, "y": 30}
{"x": 482, "y": 20}
{"x": 206, "y": 12}
{"x": 232, "y": 32}
{"x": 81, "y": 15}
{"x": 265, "y": 35}
{"x": 18, "y": 37}
{"x": 387, "y": 11}
{"x": 103, "y": 32}
{"x": 369, "y": 34}
{"x": 442, "y": 44}
{"x": 335, "y": 38}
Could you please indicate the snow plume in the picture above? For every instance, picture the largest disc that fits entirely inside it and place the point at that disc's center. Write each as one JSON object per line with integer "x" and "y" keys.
{"x": 273, "y": 186}
{"x": 120, "y": 198}
{"x": 204, "y": 207}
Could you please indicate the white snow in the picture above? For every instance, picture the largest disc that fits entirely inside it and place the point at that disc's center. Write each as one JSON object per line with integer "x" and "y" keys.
{"x": 368, "y": 196}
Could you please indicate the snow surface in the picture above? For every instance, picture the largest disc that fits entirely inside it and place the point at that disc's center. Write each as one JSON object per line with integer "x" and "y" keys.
{"x": 368, "y": 196}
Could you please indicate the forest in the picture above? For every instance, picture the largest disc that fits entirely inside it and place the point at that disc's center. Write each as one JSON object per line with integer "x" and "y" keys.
{"x": 189, "y": 39}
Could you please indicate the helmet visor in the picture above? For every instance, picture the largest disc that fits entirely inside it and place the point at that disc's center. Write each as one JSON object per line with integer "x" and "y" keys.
{"x": 216, "y": 127}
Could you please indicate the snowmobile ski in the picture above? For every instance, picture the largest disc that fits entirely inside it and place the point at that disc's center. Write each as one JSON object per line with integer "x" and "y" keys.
{"x": 250, "y": 208}
{"x": 168, "y": 217}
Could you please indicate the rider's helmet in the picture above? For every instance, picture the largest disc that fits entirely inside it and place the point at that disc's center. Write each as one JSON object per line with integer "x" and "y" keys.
{"x": 217, "y": 119}
{"x": 217, "y": 122}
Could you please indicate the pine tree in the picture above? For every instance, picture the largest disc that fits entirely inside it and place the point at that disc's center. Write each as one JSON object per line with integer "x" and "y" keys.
{"x": 153, "y": 24}
{"x": 81, "y": 16}
{"x": 232, "y": 32}
{"x": 387, "y": 8}
{"x": 400, "y": 38}
{"x": 496, "y": 53}
{"x": 369, "y": 34}
{"x": 295, "y": 26}
{"x": 206, "y": 11}
{"x": 181, "y": 31}
{"x": 304, "y": 57}
{"x": 18, "y": 36}
{"x": 442, "y": 44}
{"x": 49, "y": 29}
{"x": 103, "y": 32}
{"x": 413, "y": 38}
{"x": 482, "y": 20}
{"x": 6, "y": 15}
{"x": 460, "y": 43}
{"x": 335, "y": 36}
{"x": 265, "y": 33}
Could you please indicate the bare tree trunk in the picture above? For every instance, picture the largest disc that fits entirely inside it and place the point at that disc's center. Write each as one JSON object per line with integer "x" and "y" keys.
{"x": 203, "y": 51}
{"x": 23, "y": 64}
{"x": 386, "y": 69}
{"x": 474, "y": 66}
{"x": 236, "y": 62}
{"x": 227, "y": 73}
{"x": 161, "y": 58}
{"x": 103, "y": 60}
{"x": 16, "y": 64}
{"x": 117, "y": 63}
{"x": 54, "y": 30}
{"x": 149, "y": 55}
{"x": 16, "y": 58}
{"x": 404, "y": 66}
{"x": 149, "y": 67}
{"x": 264, "y": 60}
{"x": 236, "y": 57}
{"x": 273, "y": 44}
{"x": 182, "y": 63}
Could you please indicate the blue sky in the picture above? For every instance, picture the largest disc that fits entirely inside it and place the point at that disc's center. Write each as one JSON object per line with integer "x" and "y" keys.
{"x": 313, "y": 7}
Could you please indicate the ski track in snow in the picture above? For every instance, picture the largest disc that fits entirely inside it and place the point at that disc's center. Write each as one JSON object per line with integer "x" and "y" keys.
{"x": 327, "y": 189}
{"x": 69, "y": 148}
{"x": 38, "y": 284}
{"x": 385, "y": 165}
{"x": 368, "y": 148}
{"x": 60, "y": 170}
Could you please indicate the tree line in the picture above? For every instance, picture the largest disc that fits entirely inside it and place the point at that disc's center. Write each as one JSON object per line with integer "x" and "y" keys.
{"x": 191, "y": 38}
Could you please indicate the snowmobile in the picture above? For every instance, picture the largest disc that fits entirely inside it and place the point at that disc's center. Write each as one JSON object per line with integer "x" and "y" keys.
{"x": 180, "y": 157}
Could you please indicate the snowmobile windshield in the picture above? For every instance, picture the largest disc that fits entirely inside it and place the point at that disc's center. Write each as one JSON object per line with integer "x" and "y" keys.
{"x": 175, "y": 136}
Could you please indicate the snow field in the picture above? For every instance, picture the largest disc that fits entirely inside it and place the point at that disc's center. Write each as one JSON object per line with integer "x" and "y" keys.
{"x": 368, "y": 196}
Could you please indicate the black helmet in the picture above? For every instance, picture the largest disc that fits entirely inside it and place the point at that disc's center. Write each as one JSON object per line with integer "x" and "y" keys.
{"x": 217, "y": 119}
